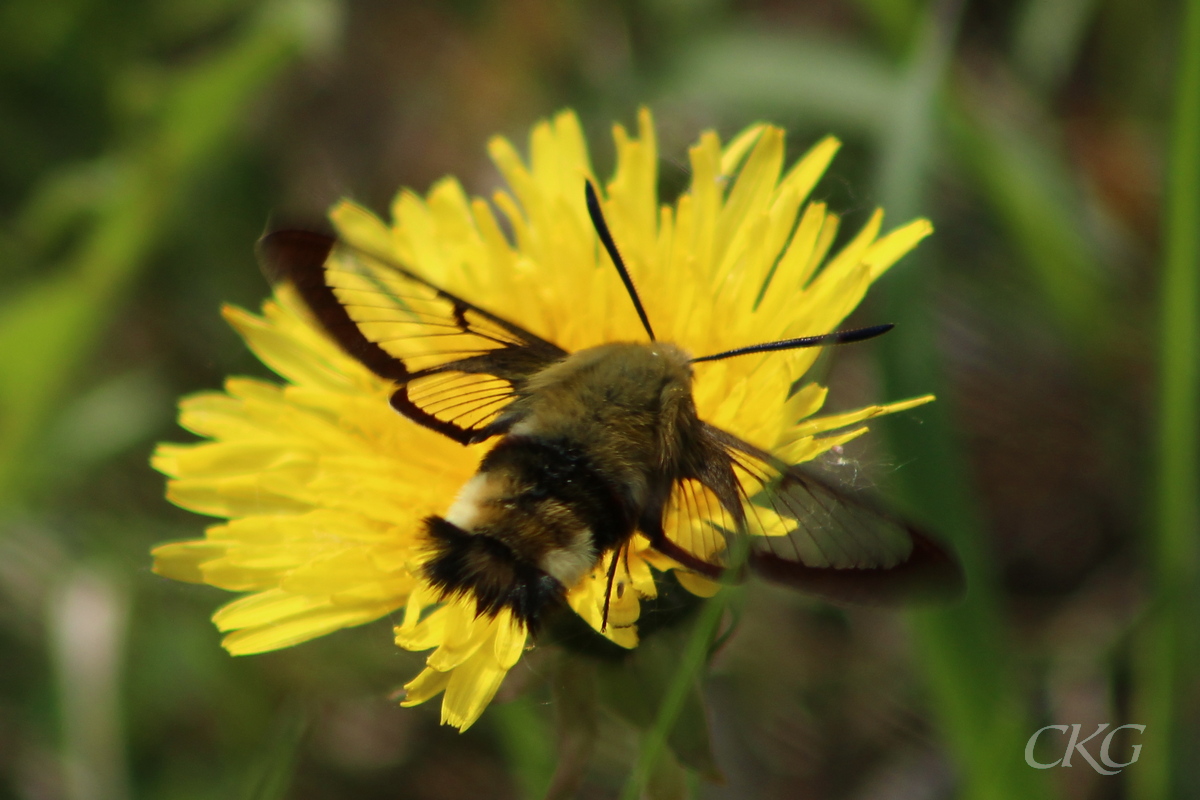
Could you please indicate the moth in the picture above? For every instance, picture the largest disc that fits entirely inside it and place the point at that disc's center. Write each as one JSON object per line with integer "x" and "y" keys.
{"x": 591, "y": 447}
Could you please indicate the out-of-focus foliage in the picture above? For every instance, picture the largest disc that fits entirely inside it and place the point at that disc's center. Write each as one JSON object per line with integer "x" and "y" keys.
{"x": 145, "y": 146}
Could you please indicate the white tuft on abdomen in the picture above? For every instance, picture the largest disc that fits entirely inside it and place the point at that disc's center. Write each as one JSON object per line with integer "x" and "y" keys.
{"x": 569, "y": 564}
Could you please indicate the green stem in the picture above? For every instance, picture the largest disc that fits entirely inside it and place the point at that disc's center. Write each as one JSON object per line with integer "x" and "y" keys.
{"x": 691, "y": 665}
{"x": 1166, "y": 672}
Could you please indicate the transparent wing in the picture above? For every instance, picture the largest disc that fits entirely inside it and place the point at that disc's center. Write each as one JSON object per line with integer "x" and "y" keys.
{"x": 457, "y": 365}
{"x": 805, "y": 532}
{"x": 699, "y": 524}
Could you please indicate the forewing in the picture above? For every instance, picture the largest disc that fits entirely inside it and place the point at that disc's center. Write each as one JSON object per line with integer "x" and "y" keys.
{"x": 457, "y": 365}
{"x": 810, "y": 534}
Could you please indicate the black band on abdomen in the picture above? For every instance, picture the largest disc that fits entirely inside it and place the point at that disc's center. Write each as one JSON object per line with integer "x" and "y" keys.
{"x": 561, "y": 470}
{"x": 463, "y": 563}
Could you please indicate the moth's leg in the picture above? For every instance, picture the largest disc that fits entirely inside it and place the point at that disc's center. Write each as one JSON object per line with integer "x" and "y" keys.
{"x": 652, "y": 529}
{"x": 612, "y": 574}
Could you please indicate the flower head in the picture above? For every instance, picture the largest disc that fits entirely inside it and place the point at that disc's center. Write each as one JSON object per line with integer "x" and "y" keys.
{"x": 322, "y": 486}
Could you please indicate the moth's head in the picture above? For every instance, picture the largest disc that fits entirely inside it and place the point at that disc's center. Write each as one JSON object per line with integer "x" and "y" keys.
{"x": 677, "y": 375}
{"x": 625, "y": 368}
{"x": 674, "y": 358}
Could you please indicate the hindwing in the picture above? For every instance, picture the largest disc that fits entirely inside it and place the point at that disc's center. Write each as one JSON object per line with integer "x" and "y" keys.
{"x": 802, "y": 530}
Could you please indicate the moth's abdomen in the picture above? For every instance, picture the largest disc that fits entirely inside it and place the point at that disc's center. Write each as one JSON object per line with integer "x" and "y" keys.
{"x": 487, "y": 569}
{"x": 530, "y": 524}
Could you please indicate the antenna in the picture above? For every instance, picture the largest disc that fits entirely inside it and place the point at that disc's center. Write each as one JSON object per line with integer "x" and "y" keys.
{"x": 593, "y": 207}
{"x": 839, "y": 337}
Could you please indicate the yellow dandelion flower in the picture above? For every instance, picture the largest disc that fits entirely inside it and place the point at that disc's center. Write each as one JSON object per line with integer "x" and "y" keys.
{"x": 323, "y": 487}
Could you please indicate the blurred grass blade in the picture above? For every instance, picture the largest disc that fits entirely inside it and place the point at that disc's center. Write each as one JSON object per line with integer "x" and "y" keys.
{"x": 1048, "y": 37}
{"x": 668, "y": 780}
{"x": 963, "y": 647}
{"x": 47, "y": 328}
{"x": 576, "y": 712}
{"x": 894, "y": 19}
{"x": 756, "y": 73}
{"x": 104, "y": 421}
{"x": 635, "y": 687}
{"x": 271, "y": 775}
{"x": 524, "y": 738}
{"x": 61, "y": 200}
{"x": 1166, "y": 668}
{"x": 1031, "y": 193}
{"x": 691, "y": 663}
{"x": 88, "y": 619}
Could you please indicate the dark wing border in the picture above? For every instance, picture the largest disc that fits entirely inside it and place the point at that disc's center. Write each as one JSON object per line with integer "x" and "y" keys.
{"x": 300, "y": 256}
{"x": 930, "y": 572}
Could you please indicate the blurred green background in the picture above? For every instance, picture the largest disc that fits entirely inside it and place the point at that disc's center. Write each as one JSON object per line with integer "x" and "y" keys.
{"x": 144, "y": 146}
